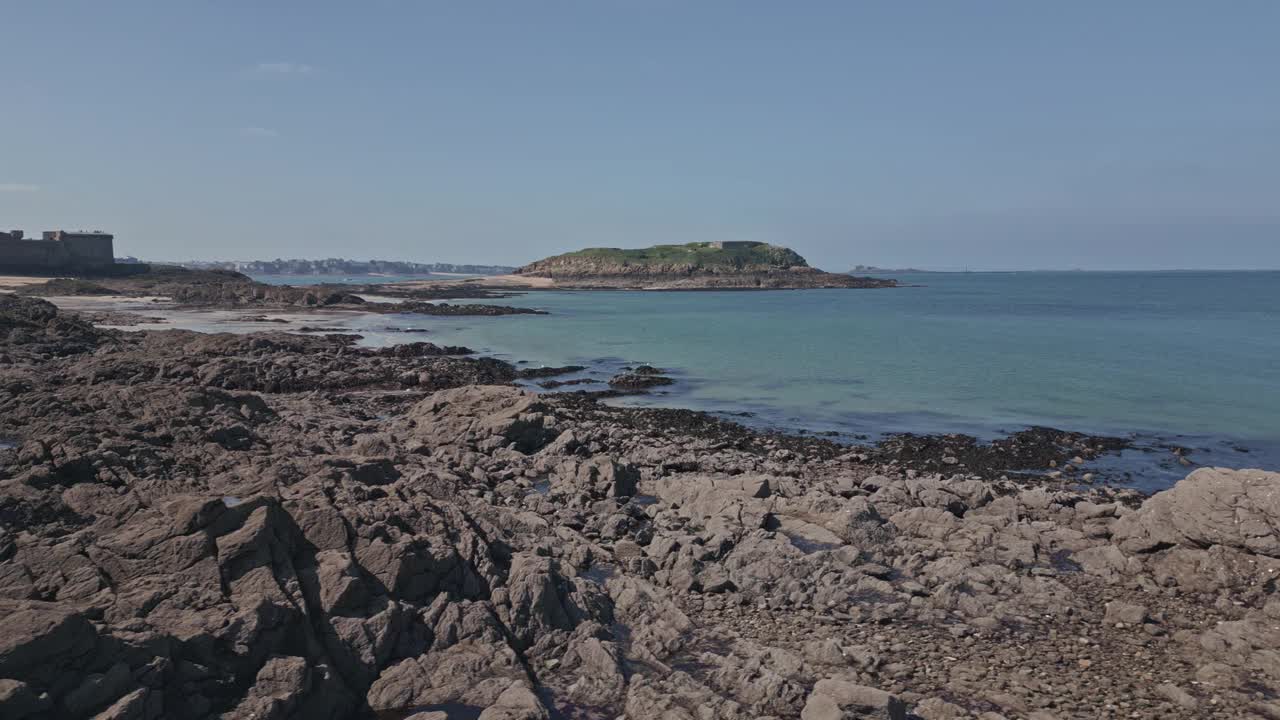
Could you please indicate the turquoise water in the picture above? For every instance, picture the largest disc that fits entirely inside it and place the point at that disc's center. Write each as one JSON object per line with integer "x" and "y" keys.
{"x": 1186, "y": 356}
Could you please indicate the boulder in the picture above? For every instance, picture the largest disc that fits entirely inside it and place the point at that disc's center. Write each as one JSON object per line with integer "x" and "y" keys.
{"x": 141, "y": 704}
{"x": 37, "y": 635}
{"x": 1123, "y": 612}
{"x": 517, "y": 702}
{"x": 1211, "y": 506}
{"x": 98, "y": 689}
{"x": 939, "y": 709}
{"x": 485, "y": 416}
{"x": 606, "y": 477}
{"x": 599, "y": 669}
{"x": 844, "y": 700}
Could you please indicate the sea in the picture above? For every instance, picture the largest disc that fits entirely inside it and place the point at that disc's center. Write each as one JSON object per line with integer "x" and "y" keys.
{"x": 1171, "y": 359}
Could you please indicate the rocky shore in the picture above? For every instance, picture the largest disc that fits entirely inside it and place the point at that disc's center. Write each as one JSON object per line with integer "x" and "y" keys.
{"x": 292, "y": 526}
{"x": 227, "y": 289}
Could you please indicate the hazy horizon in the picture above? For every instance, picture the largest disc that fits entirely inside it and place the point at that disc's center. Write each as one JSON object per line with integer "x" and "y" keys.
{"x": 833, "y": 269}
{"x": 1000, "y": 136}
{"x": 922, "y": 268}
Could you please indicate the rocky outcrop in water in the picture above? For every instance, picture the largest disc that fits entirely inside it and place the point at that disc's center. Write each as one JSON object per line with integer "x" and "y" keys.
{"x": 695, "y": 266}
{"x": 278, "y": 526}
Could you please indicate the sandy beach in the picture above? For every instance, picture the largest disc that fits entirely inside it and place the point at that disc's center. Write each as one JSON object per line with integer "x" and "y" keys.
{"x": 9, "y": 283}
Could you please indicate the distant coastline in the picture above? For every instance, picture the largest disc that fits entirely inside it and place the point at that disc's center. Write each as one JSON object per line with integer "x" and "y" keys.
{"x": 342, "y": 266}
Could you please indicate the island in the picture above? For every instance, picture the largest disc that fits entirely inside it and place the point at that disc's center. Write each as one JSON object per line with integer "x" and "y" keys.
{"x": 725, "y": 265}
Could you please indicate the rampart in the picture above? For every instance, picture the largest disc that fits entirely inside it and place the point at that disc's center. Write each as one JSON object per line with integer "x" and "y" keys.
{"x": 57, "y": 251}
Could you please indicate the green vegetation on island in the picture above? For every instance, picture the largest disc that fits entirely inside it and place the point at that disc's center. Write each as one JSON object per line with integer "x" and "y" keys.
{"x": 699, "y": 255}
{"x": 694, "y": 266}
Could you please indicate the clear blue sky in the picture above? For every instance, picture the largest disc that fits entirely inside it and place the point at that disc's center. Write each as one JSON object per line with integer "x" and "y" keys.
{"x": 940, "y": 134}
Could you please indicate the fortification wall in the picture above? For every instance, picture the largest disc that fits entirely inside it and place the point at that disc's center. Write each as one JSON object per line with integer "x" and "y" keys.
{"x": 89, "y": 250}
{"x": 32, "y": 253}
{"x": 71, "y": 253}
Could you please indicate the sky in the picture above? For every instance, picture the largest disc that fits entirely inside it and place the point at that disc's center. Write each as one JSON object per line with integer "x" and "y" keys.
{"x": 939, "y": 134}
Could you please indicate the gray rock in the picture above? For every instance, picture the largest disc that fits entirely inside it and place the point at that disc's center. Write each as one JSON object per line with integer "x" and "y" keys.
{"x": 517, "y": 702}
{"x": 1177, "y": 696}
{"x": 1211, "y": 506}
{"x": 486, "y": 417}
{"x": 34, "y": 634}
{"x": 98, "y": 689}
{"x": 597, "y": 665}
{"x": 939, "y": 709}
{"x": 608, "y": 477}
{"x": 844, "y": 700}
{"x": 141, "y": 704}
{"x": 1123, "y": 612}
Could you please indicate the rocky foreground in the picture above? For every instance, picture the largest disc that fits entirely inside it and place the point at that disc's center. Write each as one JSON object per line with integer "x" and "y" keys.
{"x": 283, "y": 526}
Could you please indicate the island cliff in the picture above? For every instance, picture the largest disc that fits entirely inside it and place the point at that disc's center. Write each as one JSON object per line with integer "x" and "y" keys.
{"x": 705, "y": 265}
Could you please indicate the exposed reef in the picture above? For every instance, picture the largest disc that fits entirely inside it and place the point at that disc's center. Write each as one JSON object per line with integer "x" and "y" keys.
{"x": 228, "y": 289}
{"x": 199, "y": 526}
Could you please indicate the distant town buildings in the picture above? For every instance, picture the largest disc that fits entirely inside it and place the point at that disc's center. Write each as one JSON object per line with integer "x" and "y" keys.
{"x": 56, "y": 251}
{"x": 340, "y": 266}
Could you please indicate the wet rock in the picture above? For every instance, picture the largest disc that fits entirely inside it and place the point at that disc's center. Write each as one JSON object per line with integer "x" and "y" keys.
{"x": 18, "y": 700}
{"x": 544, "y": 372}
{"x": 639, "y": 381}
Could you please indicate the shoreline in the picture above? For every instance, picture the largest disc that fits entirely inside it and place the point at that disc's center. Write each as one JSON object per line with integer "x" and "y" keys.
{"x": 1152, "y": 460}
{"x": 231, "y": 511}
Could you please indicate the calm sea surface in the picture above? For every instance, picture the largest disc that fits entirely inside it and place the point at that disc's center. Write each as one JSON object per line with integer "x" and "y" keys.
{"x": 1191, "y": 358}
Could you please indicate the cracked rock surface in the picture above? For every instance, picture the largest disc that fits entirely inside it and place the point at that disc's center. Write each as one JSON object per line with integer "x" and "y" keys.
{"x": 281, "y": 526}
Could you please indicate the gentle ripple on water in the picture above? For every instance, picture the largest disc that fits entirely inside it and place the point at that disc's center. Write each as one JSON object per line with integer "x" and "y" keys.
{"x": 1172, "y": 358}
{"x": 1175, "y": 358}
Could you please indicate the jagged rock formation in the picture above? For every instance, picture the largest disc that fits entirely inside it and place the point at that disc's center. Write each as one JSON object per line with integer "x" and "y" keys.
{"x": 213, "y": 526}
{"x": 740, "y": 265}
